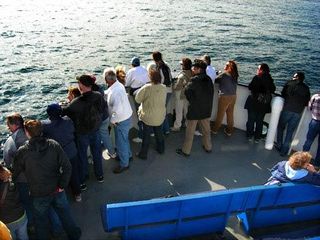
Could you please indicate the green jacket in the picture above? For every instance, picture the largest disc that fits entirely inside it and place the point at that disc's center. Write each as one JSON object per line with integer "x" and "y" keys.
{"x": 152, "y": 110}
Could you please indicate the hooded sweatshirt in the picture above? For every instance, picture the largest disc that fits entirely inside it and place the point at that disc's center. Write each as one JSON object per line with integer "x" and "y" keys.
{"x": 45, "y": 164}
{"x": 283, "y": 173}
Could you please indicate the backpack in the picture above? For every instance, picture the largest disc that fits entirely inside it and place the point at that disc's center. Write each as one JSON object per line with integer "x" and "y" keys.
{"x": 264, "y": 98}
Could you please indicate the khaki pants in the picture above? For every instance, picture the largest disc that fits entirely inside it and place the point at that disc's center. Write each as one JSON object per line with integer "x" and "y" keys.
{"x": 181, "y": 108}
{"x": 204, "y": 125}
{"x": 225, "y": 105}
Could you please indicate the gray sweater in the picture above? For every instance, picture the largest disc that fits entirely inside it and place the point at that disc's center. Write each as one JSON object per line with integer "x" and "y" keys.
{"x": 227, "y": 85}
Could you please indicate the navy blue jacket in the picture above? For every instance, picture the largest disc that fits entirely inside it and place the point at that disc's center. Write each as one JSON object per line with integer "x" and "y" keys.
{"x": 62, "y": 131}
{"x": 279, "y": 173}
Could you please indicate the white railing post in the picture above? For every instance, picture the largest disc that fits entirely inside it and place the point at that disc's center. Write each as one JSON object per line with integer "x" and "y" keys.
{"x": 276, "y": 107}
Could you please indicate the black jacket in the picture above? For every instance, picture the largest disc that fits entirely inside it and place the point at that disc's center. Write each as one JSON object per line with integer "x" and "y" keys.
{"x": 11, "y": 209}
{"x": 45, "y": 164}
{"x": 296, "y": 96}
{"x": 199, "y": 93}
{"x": 86, "y": 112}
{"x": 264, "y": 85}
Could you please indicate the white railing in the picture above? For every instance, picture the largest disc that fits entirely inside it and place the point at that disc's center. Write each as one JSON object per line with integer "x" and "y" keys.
{"x": 240, "y": 119}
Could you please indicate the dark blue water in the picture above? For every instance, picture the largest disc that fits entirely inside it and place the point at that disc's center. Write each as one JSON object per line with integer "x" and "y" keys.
{"x": 45, "y": 44}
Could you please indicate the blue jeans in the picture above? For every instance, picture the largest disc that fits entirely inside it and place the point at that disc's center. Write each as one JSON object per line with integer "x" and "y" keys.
{"x": 105, "y": 136}
{"x": 255, "y": 124}
{"x": 60, "y": 204}
{"x": 121, "y": 131}
{"x": 55, "y": 223}
{"x": 18, "y": 229}
{"x": 75, "y": 178}
{"x": 26, "y": 200}
{"x": 314, "y": 130}
{"x": 290, "y": 120}
{"x": 146, "y": 140}
{"x": 94, "y": 141}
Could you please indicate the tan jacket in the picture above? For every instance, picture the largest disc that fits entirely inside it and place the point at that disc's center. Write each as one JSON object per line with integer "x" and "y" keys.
{"x": 183, "y": 79}
{"x": 152, "y": 110}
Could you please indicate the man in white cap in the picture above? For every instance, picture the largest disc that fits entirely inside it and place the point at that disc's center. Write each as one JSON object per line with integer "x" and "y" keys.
{"x": 136, "y": 77}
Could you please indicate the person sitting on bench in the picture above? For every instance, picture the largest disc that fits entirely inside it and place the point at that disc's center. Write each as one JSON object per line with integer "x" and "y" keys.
{"x": 297, "y": 169}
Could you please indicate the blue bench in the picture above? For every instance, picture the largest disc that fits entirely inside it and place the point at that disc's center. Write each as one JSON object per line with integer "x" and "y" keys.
{"x": 275, "y": 205}
{"x": 206, "y": 213}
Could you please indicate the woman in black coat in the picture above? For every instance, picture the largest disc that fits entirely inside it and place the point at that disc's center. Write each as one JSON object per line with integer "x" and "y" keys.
{"x": 259, "y": 102}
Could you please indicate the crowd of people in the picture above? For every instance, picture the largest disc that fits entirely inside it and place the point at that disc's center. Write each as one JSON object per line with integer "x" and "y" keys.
{"x": 41, "y": 158}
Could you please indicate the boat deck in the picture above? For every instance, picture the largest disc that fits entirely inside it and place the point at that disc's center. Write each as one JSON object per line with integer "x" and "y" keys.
{"x": 233, "y": 163}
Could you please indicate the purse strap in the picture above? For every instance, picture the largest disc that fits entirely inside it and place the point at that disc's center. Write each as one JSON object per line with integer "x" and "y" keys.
{"x": 4, "y": 193}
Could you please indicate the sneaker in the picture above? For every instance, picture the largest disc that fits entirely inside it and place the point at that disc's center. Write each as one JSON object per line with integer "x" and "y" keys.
{"x": 112, "y": 155}
{"x": 120, "y": 169}
{"x": 180, "y": 152}
{"x": 137, "y": 140}
{"x": 256, "y": 140}
{"x": 214, "y": 132}
{"x": 173, "y": 129}
{"x": 227, "y": 133}
{"x": 78, "y": 198}
{"x": 250, "y": 139}
{"x": 152, "y": 134}
{"x": 83, "y": 187}
{"x": 197, "y": 133}
{"x": 100, "y": 179}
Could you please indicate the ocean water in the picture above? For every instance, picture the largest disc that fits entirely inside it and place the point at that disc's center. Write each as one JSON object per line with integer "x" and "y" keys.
{"x": 45, "y": 44}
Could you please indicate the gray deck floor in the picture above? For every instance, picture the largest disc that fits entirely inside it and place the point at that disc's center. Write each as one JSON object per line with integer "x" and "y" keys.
{"x": 233, "y": 163}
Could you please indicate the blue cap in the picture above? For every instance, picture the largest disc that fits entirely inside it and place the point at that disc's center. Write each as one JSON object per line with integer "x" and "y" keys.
{"x": 135, "y": 61}
{"x": 54, "y": 110}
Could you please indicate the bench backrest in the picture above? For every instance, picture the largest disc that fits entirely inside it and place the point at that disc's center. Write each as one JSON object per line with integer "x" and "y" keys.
{"x": 195, "y": 214}
{"x": 283, "y": 204}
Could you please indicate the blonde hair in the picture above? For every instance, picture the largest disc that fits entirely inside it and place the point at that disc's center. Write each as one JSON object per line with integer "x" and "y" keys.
{"x": 121, "y": 74}
{"x": 74, "y": 91}
{"x": 298, "y": 160}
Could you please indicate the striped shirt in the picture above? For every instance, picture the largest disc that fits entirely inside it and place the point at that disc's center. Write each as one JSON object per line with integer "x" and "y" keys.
{"x": 314, "y": 106}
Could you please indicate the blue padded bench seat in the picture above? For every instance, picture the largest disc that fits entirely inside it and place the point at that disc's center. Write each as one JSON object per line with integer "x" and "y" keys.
{"x": 208, "y": 212}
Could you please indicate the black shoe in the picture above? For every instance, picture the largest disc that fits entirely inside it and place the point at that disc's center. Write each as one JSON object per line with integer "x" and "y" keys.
{"x": 120, "y": 169}
{"x": 100, "y": 179}
{"x": 180, "y": 152}
{"x": 141, "y": 157}
{"x": 83, "y": 187}
{"x": 207, "y": 151}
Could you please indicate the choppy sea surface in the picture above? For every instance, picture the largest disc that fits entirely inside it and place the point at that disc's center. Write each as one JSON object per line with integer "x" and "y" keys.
{"x": 45, "y": 44}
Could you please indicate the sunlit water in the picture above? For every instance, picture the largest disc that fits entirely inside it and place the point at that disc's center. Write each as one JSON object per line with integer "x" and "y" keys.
{"x": 45, "y": 44}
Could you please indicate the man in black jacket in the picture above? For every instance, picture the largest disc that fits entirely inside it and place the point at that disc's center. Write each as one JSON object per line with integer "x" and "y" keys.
{"x": 296, "y": 96}
{"x": 199, "y": 93}
{"x": 86, "y": 113}
{"x": 48, "y": 172}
